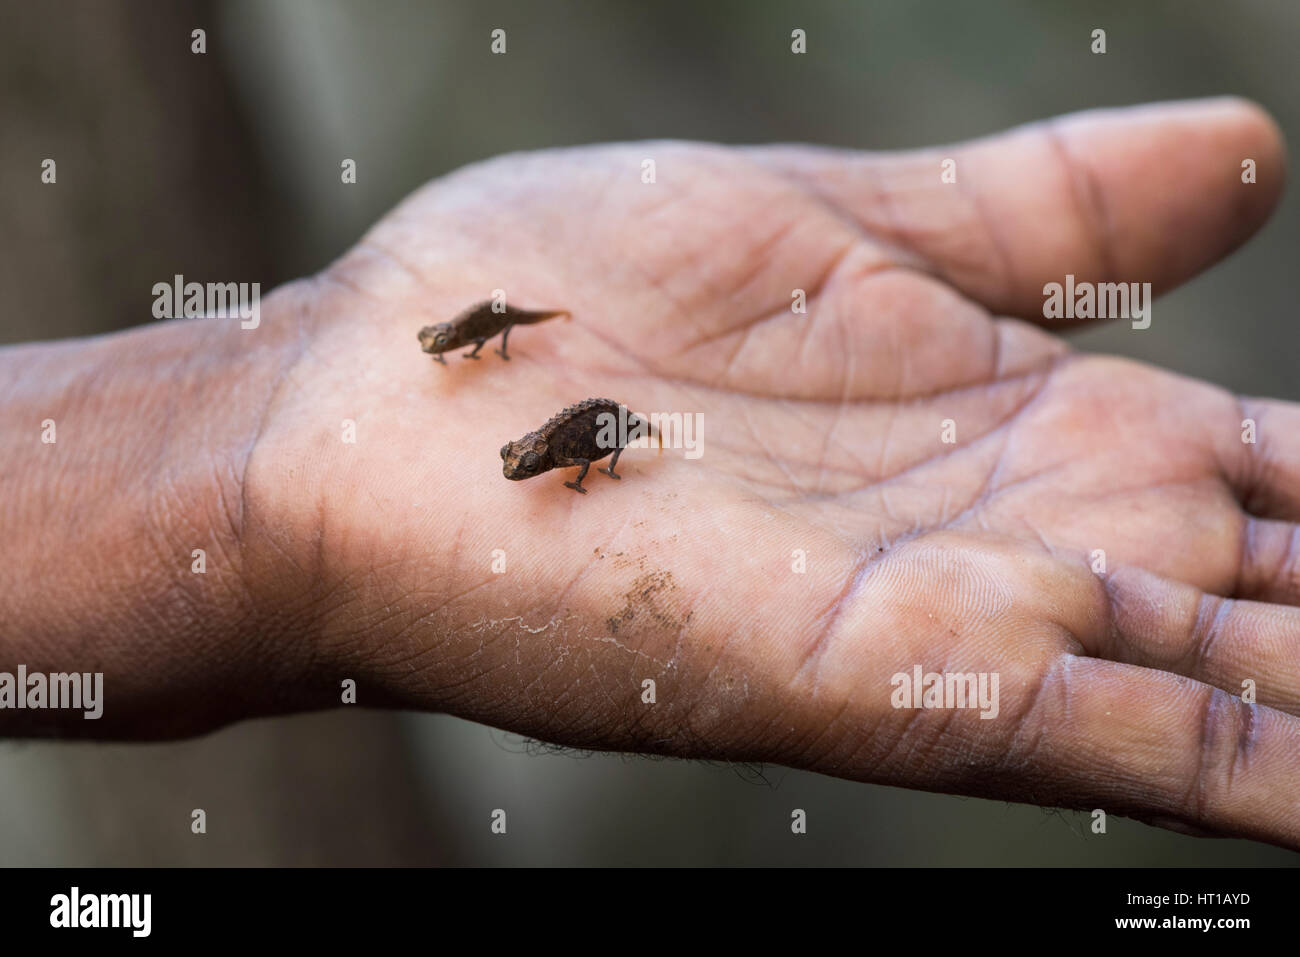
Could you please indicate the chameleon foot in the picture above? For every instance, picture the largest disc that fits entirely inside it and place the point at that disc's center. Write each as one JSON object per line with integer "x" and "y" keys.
{"x": 576, "y": 487}
{"x": 440, "y": 359}
{"x": 502, "y": 354}
{"x": 610, "y": 472}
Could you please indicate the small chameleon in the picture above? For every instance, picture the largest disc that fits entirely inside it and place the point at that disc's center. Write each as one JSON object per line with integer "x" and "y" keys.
{"x": 571, "y": 437}
{"x": 477, "y": 325}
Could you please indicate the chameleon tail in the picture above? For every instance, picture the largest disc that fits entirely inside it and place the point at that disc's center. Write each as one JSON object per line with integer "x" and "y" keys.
{"x": 654, "y": 434}
{"x": 527, "y": 317}
{"x": 636, "y": 421}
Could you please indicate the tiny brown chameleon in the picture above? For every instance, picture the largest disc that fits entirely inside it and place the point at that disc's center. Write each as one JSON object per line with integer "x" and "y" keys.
{"x": 477, "y": 325}
{"x": 579, "y": 435}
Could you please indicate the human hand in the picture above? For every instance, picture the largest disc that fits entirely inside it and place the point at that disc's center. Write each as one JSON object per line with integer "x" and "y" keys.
{"x": 373, "y": 560}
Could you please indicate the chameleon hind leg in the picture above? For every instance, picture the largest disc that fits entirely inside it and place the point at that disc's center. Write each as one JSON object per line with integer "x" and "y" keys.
{"x": 612, "y": 462}
{"x": 576, "y": 485}
{"x": 504, "y": 336}
{"x": 478, "y": 344}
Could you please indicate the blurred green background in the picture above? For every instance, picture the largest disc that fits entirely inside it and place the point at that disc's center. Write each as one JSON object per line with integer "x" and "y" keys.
{"x": 227, "y": 165}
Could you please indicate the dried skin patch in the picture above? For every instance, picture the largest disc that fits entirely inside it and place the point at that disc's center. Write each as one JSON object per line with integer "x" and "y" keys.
{"x": 650, "y": 601}
{"x": 653, "y": 600}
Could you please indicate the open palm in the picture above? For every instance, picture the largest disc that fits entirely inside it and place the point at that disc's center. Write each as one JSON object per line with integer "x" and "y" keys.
{"x": 893, "y": 478}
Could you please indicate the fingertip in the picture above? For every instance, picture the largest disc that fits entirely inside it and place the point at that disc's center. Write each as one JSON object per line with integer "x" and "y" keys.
{"x": 1231, "y": 129}
{"x": 1263, "y": 141}
{"x": 1184, "y": 183}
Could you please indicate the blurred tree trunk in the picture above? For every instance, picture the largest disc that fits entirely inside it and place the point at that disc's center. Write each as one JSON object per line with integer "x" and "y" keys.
{"x": 156, "y": 173}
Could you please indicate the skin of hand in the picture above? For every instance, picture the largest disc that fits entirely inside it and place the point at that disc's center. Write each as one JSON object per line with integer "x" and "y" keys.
{"x": 373, "y": 560}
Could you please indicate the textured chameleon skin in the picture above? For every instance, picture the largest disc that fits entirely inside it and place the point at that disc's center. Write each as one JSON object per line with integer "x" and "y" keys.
{"x": 476, "y": 325}
{"x": 568, "y": 438}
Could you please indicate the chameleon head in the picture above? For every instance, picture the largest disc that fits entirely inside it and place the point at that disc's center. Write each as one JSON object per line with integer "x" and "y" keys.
{"x": 438, "y": 338}
{"x": 523, "y": 459}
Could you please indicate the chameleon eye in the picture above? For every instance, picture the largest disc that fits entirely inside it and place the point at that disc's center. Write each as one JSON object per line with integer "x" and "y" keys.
{"x": 530, "y": 460}
{"x": 504, "y": 450}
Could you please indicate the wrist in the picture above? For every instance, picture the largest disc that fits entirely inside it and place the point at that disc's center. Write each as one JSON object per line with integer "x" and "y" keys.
{"x": 126, "y": 520}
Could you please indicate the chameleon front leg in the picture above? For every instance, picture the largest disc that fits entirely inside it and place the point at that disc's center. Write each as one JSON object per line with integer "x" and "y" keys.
{"x": 478, "y": 344}
{"x": 504, "y": 336}
{"x": 439, "y": 358}
{"x": 612, "y": 462}
{"x": 582, "y": 473}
